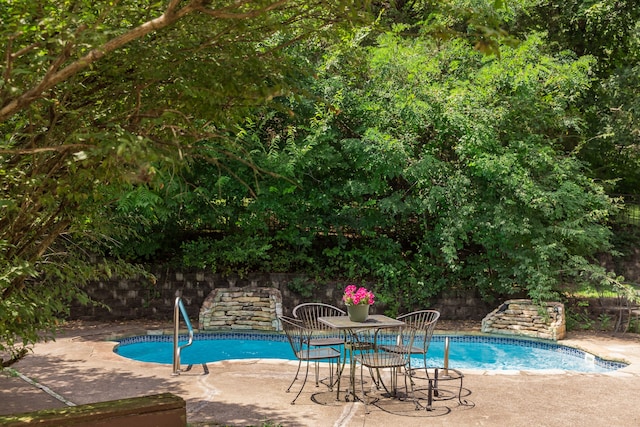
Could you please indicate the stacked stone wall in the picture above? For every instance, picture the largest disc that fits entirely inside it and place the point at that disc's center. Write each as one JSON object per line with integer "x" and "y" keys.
{"x": 140, "y": 298}
{"x": 241, "y": 308}
{"x": 523, "y": 317}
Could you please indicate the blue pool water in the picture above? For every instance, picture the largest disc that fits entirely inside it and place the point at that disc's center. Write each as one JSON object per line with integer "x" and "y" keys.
{"x": 465, "y": 352}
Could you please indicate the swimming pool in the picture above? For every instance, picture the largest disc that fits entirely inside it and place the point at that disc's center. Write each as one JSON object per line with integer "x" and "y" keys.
{"x": 465, "y": 351}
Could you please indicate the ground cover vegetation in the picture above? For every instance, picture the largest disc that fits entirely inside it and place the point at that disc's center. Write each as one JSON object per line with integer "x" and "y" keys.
{"x": 423, "y": 147}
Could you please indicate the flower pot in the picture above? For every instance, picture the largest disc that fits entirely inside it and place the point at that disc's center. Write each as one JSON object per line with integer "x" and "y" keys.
{"x": 358, "y": 313}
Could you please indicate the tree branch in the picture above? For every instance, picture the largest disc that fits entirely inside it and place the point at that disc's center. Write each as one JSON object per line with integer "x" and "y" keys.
{"x": 60, "y": 148}
{"x": 54, "y": 76}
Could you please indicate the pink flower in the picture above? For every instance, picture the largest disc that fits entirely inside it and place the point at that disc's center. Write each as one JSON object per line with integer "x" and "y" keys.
{"x": 357, "y": 296}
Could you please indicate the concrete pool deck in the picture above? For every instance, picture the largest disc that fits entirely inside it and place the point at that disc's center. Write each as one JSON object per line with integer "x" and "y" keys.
{"x": 80, "y": 367}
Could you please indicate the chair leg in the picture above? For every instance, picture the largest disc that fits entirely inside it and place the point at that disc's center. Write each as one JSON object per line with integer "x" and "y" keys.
{"x": 296, "y": 376}
{"x": 306, "y": 375}
{"x": 430, "y": 395}
{"x": 341, "y": 371}
{"x": 364, "y": 396}
{"x": 330, "y": 375}
{"x": 394, "y": 381}
{"x": 339, "y": 374}
{"x": 375, "y": 378}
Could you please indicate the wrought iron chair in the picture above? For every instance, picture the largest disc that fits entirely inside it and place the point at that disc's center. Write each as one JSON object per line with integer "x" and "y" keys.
{"x": 299, "y": 337}
{"x": 424, "y": 323}
{"x": 323, "y": 335}
{"x": 389, "y": 350}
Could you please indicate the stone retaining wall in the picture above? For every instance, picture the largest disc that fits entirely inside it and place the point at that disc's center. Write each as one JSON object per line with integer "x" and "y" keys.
{"x": 138, "y": 298}
{"x": 241, "y": 308}
{"x": 523, "y": 317}
{"x": 126, "y": 299}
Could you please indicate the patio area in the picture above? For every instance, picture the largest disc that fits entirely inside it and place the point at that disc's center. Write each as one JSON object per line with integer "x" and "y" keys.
{"x": 80, "y": 367}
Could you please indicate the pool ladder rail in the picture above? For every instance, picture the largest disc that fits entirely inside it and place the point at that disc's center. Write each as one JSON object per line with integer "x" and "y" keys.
{"x": 178, "y": 309}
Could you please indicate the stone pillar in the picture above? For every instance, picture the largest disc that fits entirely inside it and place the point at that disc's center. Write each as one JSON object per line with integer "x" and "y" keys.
{"x": 523, "y": 317}
{"x": 248, "y": 308}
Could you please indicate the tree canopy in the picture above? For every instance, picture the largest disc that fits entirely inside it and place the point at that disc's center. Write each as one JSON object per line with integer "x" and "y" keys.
{"x": 98, "y": 98}
{"x": 426, "y": 147}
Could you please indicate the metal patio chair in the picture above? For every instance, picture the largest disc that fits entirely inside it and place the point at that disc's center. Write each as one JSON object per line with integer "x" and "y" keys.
{"x": 424, "y": 323}
{"x": 323, "y": 335}
{"x": 389, "y": 350}
{"x": 299, "y": 337}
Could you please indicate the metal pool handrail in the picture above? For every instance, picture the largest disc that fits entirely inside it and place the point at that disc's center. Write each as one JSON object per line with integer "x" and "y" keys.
{"x": 178, "y": 308}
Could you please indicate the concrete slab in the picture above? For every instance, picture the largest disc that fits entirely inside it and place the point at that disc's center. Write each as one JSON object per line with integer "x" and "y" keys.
{"x": 80, "y": 367}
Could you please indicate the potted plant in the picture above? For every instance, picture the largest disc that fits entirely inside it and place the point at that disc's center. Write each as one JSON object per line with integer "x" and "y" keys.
{"x": 358, "y": 301}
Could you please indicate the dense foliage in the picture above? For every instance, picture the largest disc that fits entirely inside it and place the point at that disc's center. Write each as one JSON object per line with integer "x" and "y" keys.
{"x": 96, "y": 100}
{"x": 609, "y": 32}
{"x": 426, "y": 168}
{"x": 447, "y": 146}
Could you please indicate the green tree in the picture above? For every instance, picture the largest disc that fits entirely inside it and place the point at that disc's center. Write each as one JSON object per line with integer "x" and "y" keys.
{"x": 97, "y": 99}
{"x": 425, "y": 167}
{"x": 493, "y": 200}
{"x": 609, "y": 31}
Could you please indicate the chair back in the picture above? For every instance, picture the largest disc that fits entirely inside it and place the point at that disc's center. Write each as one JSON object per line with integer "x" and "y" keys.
{"x": 308, "y": 313}
{"x": 385, "y": 348}
{"x": 424, "y": 323}
{"x": 297, "y": 334}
